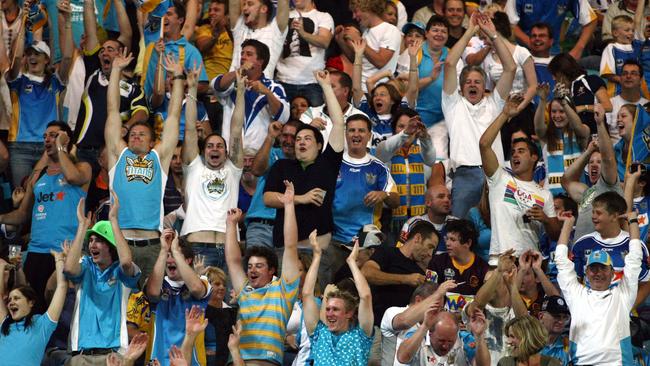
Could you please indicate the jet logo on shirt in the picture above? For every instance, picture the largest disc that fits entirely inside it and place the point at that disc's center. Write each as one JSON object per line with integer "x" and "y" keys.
{"x": 139, "y": 169}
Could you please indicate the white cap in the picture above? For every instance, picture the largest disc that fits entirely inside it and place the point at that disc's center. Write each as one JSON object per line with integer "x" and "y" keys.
{"x": 41, "y": 47}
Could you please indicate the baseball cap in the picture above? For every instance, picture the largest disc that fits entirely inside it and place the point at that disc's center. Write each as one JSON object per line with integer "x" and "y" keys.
{"x": 555, "y": 305}
{"x": 418, "y": 26}
{"x": 40, "y": 47}
{"x": 599, "y": 256}
{"x": 104, "y": 230}
{"x": 369, "y": 237}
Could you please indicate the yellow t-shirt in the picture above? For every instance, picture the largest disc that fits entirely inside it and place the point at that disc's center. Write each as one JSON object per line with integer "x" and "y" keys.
{"x": 218, "y": 59}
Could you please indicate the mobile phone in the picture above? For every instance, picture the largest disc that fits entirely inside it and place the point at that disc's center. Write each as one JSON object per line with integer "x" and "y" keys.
{"x": 635, "y": 166}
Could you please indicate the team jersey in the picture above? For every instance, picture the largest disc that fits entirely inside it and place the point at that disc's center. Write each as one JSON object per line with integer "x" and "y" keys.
{"x": 35, "y": 103}
{"x": 25, "y": 346}
{"x": 568, "y": 150}
{"x": 526, "y": 13}
{"x": 264, "y": 313}
{"x": 543, "y": 75}
{"x": 160, "y": 115}
{"x": 613, "y": 58}
{"x": 168, "y": 318}
{"x": 99, "y": 319}
{"x": 357, "y": 177}
{"x": 381, "y": 123}
{"x": 93, "y": 111}
{"x": 617, "y": 248}
{"x": 470, "y": 276}
{"x": 53, "y": 212}
{"x": 257, "y": 208}
{"x": 140, "y": 184}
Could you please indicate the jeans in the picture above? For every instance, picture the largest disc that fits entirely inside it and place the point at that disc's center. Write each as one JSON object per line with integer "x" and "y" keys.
{"x": 466, "y": 189}
{"x": 213, "y": 254}
{"x": 259, "y": 234}
{"x": 22, "y": 158}
{"x": 312, "y": 92}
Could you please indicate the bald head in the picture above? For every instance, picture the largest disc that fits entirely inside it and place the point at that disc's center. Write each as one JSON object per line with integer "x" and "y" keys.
{"x": 444, "y": 333}
{"x": 438, "y": 200}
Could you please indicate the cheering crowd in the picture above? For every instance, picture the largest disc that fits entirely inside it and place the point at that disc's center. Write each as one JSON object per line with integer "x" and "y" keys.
{"x": 324, "y": 182}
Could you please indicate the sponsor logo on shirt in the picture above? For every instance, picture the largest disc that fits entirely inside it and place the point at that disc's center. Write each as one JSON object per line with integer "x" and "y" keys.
{"x": 139, "y": 169}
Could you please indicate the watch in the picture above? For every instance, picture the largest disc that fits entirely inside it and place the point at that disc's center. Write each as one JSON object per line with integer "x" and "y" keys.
{"x": 633, "y": 221}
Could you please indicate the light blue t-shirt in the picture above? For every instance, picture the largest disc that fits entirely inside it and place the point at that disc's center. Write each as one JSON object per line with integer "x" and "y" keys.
{"x": 346, "y": 349}
{"x": 100, "y": 312}
{"x": 429, "y": 99}
{"x": 26, "y": 346}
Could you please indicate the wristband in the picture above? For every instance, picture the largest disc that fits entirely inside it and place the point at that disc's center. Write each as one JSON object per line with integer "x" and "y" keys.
{"x": 179, "y": 77}
{"x": 495, "y": 36}
{"x": 633, "y": 221}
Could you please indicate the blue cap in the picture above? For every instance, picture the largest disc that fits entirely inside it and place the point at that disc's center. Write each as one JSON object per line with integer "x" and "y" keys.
{"x": 413, "y": 25}
{"x": 599, "y": 256}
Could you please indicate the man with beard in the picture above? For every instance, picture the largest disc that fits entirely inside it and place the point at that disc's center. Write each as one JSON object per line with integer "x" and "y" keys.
{"x": 260, "y": 218}
{"x": 97, "y": 62}
{"x": 212, "y": 181}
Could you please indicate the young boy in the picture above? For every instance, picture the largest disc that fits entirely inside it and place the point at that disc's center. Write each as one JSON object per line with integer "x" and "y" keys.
{"x": 615, "y": 54}
{"x": 608, "y": 237}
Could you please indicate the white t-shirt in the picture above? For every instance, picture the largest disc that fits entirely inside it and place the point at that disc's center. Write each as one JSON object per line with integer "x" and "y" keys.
{"x": 391, "y": 338}
{"x": 617, "y": 103}
{"x": 466, "y": 123}
{"x": 270, "y": 35}
{"x": 209, "y": 194}
{"x": 383, "y": 35}
{"x": 299, "y": 58}
{"x": 509, "y": 199}
{"x": 494, "y": 70}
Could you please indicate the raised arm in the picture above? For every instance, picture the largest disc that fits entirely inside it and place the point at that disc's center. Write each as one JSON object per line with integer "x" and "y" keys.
{"x": 585, "y": 36}
{"x": 571, "y": 178}
{"x": 261, "y": 161}
{"x": 531, "y": 82}
{"x": 56, "y": 305}
{"x": 123, "y": 250}
{"x": 191, "y": 140}
{"x": 357, "y": 89}
{"x": 155, "y": 280}
{"x": 450, "y": 83}
{"x": 409, "y": 347}
{"x": 631, "y": 179}
{"x": 237, "y": 123}
{"x": 126, "y": 32}
{"x": 78, "y": 174}
{"x": 609, "y": 167}
{"x": 233, "y": 253}
{"x": 113, "y": 129}
{"x": 415, "y": 313}
{"x": 337, "y": 134}
{"x": 192, "y": 15}
{"x": 310, "y": 310}
{"x": 90, "y": 26}
{"x": 16, "y": 57}
{"x": 638, "y": 19}
{"x": 282, "y": 14}
{"x": 539, "y": 120}
{"x": 195, "y": 324}
{"x": 72, "y": 265}
{"x": 290, "y": 259}
{"x": 197, "y": 287}
{"x": 234, "y": 11}
{"x": 67, "y": 43}
{"x": 504, "y": 85}
{"x": 366, "y": 316}
{"x": 169, "y": 140}
{"x": 488, "y": 156}
{"x": 412, "y": 88}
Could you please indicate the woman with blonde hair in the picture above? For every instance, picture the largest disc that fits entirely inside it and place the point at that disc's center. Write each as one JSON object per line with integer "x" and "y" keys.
{"x": 525, "y": 338}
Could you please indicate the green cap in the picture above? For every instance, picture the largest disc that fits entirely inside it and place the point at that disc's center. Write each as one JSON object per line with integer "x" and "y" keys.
{"x": 104, "y": 230}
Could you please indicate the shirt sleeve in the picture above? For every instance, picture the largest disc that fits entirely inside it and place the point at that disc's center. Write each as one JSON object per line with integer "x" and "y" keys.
{"x": 566, "y": 276}
{"x": 577, "y": 256}
{"x": 129, "y": 281}
{"x": 607, "y": 63}
{"x": 386, "y": 326}
{"x": 283, "y": 114}
{"x": 274, "y": 182}
{"x": 392, "y": 40}
{"x": 511, "y": 11}
{"x": 76, "y": 279}
{"x": 631, "y": 272}
{"x": 583, "y": 12}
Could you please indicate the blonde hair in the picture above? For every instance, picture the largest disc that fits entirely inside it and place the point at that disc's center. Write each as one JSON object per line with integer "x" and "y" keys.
{"x": 216, "y": 274}
{"x": 376, "y": 7}
{"x": 621, "y": 20}
{"x": 531, "y": 334}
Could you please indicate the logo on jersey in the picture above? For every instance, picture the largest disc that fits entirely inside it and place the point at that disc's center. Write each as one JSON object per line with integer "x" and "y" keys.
{"x": 29, "y": 88}
{"x": 449, "y": 274}
{"x": 371, "y": 179}
{"x": 528, "y": 8}
{"x": 521, "y": 197}
{"x": 561, "y": 9}
{"x": 216, "y": 185}
{"x": 139, "y": 169}
{"x": 431, "y": 276}
{"x": 50, "y": 197}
